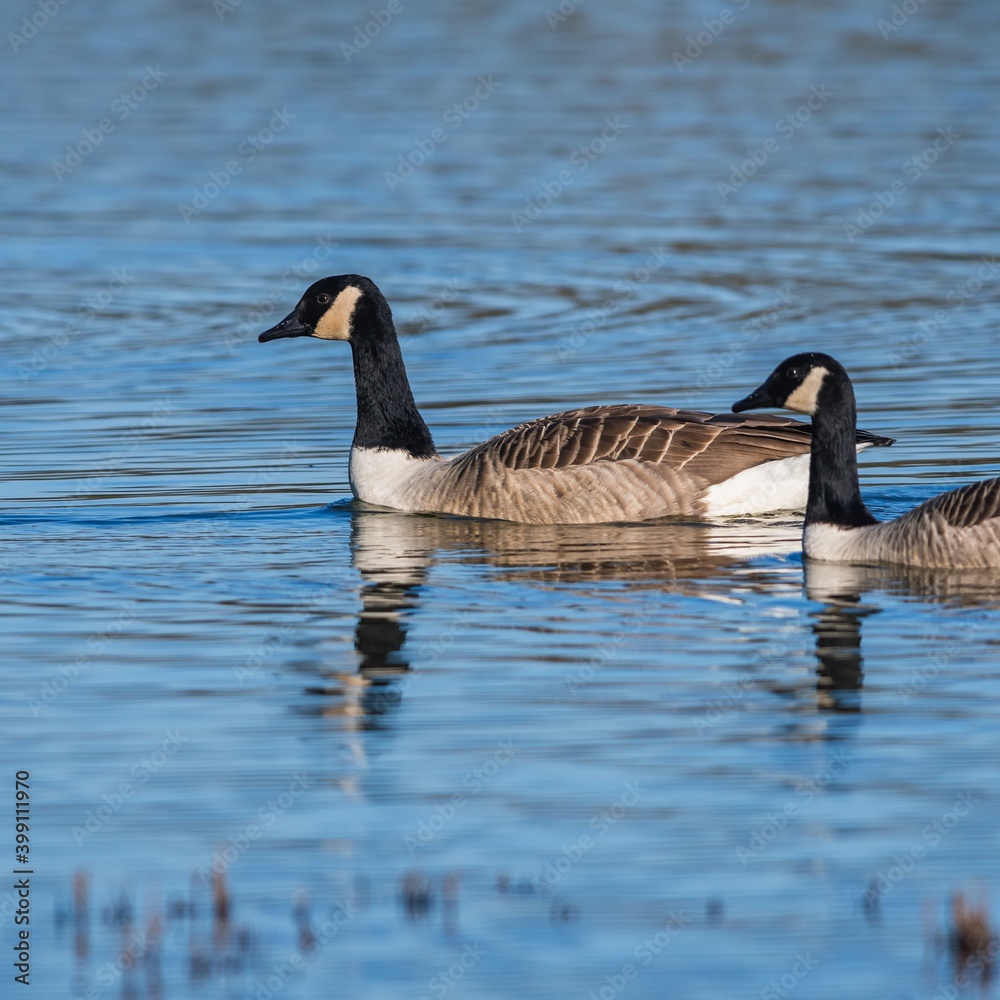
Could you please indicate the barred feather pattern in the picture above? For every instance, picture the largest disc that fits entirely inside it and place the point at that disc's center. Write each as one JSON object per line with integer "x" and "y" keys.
{"x": 956, "y": 530}
{"x": 604, "y": 464}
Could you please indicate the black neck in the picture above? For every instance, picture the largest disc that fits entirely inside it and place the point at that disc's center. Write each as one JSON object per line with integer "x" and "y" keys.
{"x": 387, "y": 415}
{"x": 834, "y": 491}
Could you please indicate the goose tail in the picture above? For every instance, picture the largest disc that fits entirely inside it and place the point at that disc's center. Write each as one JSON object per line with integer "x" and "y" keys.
{"x": 870, "y": 440}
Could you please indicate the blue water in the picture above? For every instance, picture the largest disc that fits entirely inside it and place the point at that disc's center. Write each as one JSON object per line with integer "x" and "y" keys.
{"x": 427, "y": 756}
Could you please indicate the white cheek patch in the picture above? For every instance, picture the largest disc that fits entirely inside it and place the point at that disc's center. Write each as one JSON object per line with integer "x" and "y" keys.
{"x": 335, "y": 323}
{"x": 805, "y": 397}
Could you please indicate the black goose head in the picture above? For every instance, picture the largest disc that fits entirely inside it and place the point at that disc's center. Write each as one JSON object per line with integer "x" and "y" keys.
{"x": 801, "y": 383}
{"x": 330, "y": 309}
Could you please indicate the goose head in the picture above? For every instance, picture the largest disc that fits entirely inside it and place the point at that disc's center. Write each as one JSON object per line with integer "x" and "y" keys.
{"x": 803, "y": 383}
{"x": 330, "y": 309}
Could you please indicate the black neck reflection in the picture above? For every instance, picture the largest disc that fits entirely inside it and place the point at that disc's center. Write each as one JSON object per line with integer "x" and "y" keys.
{"x": 837, "y": 628}
{"x": 840, "y": 670}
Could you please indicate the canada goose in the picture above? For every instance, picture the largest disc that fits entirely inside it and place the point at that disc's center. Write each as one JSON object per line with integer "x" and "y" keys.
{"x": 595, "y": 465}
{"x": 957, "y": 530}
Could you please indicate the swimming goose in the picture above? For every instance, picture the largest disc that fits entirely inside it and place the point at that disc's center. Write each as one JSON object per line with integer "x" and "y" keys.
{"x": 595, "y": 465}
{"x": 957, "y": 530}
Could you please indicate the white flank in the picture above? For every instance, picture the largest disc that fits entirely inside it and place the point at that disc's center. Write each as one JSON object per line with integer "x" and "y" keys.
{"x": 381, "y": 475}
{"x": 778, "y": 485}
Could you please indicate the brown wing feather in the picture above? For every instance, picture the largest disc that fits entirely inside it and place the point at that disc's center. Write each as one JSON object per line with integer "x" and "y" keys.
{"x": 962, "y": 508}
{"x": 708, "y": 446}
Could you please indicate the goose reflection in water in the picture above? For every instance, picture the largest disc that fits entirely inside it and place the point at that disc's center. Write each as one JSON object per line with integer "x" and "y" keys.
{"x": 837, "y": 628}
{"x": 393, "y": 552}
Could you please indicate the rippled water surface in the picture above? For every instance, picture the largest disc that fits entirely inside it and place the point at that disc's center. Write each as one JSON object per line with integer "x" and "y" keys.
{"x": 433, "y": 757}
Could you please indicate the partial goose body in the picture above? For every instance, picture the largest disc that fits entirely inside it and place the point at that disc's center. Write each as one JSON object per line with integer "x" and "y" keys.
{"x": 603, "y": 464}
{"x": 957, "y": 530}
{"x": 596, "y": 465}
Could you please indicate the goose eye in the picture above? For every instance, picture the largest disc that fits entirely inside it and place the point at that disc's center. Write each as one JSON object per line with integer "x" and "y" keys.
{"x": 323, "y": 298}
